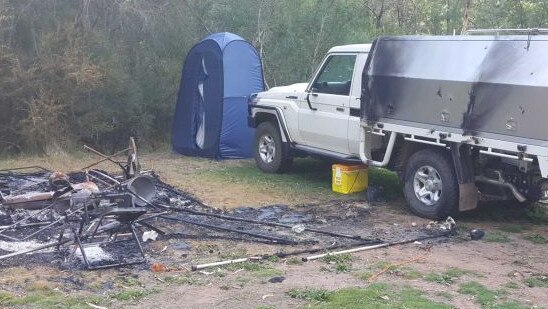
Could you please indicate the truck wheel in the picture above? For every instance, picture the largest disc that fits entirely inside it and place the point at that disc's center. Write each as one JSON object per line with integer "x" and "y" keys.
{"x": 430, "y": 185}
{"x": 270, "y": 155}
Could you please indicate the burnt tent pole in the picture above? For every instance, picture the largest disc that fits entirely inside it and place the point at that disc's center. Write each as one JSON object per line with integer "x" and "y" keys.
{"x": 275, "y": 224}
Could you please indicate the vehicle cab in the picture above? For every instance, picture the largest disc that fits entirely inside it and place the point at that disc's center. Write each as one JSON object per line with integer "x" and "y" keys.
{"x": 320, "y": 117}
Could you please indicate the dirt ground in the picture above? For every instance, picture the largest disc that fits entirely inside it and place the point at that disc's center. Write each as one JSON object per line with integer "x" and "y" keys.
{"x": 507, "y": 269}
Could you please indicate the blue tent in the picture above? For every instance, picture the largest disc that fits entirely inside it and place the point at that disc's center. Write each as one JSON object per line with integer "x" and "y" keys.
{"x": 219, "y": 74}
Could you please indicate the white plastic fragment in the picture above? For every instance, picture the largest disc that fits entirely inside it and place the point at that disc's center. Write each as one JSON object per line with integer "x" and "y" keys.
{"x": 150, "y": 235}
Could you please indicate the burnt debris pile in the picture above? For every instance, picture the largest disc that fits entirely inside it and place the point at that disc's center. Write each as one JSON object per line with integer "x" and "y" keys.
{"x": 95, "y": 219}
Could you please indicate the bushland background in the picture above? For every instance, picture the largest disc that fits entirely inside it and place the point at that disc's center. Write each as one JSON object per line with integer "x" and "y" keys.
{"x": 99, "y": 71}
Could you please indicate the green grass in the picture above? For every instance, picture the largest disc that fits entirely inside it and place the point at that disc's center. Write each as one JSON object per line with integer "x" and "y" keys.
{"x": 489, "y": 299}
{"x": 128, "y": 281}
{"x": 257, "y": 269}
{"x": 485, "y": 297}
{"x": 294, "y": 261}
{"x": 388, "y": 180}
{"x": 511, "y": 285}
{"x": 403, "y": 272}
{"x": 242, "y": 281}
{"x": 537, "y": 281}
{"x": 308, "y": 177}
{"x": 446, "y": 278}
{"x": 538, "y": 214}
{"x": 342, "y": 262}
{"x": 513, "y": 228}
{"x": 446, "y": 295}
{"x": 309, "y": 294}
{"x": 536, "y": 239}
{"x": 378, "y": 295}
{"x": 41, "y": 296}
{"x": 508, "y": 213}
{"x": 342, "y": 268}
{"x": 274, "y": 258}
{"x": 496, "y": 236}
{"x": 181, "y": 280}
{"x": 339, "y": 258}
{"x": 50, "y": 299}
{"x": 131, "y": 294}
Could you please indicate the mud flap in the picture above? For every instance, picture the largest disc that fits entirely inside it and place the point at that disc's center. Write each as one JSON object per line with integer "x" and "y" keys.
{"x": 468, "y": 196}
{"x": 468, "y": 191}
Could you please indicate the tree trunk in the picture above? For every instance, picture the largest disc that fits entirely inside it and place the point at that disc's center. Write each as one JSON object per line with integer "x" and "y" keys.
{"x": 466, "y": 15}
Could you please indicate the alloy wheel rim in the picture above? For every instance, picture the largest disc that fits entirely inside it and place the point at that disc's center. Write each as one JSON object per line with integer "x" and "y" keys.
{"x": 427, "y": 185}
{"x": 267, "y": 148}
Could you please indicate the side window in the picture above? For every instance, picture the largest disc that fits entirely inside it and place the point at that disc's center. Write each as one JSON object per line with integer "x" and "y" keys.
{"x": 336, "y": 75}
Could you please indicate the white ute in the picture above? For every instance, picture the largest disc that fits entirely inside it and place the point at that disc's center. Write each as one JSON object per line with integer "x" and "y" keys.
{"x": 414, "y": 117}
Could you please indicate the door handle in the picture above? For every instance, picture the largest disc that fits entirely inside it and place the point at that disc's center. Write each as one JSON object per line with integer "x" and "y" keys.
{"x": 340, "y": 109}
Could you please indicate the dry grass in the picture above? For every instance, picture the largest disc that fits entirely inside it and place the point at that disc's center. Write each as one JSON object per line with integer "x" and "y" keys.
{"x": 222, "y": 184}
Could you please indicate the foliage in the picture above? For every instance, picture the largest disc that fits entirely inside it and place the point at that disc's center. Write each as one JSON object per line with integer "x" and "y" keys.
{"x": 496, "y": 236}
{"x": 487, "y": 298}
{"x": 342, "y": 262}
{"x": 537, "y": 239}
{"x": 310, "y": 294}
{"x": 537, "y": 281}
{"x": 513, "y": 228}
{"x": 446, "y": 278}
{"x": 96, "y": 72}
{"x": 45, "y": 298}
{"x": 377, "y": 295}
{"x": 538, "y": 214}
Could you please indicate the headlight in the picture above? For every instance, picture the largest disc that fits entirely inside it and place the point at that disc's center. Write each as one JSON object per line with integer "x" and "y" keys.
{"x": 253, "y": 99}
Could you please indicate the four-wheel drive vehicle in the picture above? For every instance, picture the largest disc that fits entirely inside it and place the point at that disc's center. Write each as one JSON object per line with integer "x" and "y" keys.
{"x": 460, "y": 118}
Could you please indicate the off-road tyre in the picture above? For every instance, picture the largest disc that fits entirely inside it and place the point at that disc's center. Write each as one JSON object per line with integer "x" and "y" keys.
{"x": 281, "y": 159}
{"x": 448, "y": 201}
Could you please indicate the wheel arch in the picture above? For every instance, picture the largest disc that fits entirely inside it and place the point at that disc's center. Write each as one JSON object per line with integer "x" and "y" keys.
{"x": 404, "y": 153}
{"x": 271, "y": 114}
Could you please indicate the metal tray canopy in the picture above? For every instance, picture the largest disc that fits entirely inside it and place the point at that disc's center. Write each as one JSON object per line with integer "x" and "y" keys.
{"x": 474, "y": 84}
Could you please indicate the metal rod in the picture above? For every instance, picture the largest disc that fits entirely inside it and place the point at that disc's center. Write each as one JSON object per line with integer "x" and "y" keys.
{"x": 280, "y": 255}
{"x": 387, "y": 153}
{"x": 45, "y": 228}
{"x": 98, "y": 179}
{"x": 151, "y": 227}
{"x": 106, "y": 176}
{"x": 225, "y": 229}
{"x": 64, "y": 217}
{"x": 154, "y": 216}
{"x": 86, "y": 147}
{"x": 319, "y": 256}
{"x": 310, "y": 251}
{"x": 195, "y": 212}
{"x": 5, "y": 227}
{"x": 315, "y": 257}
{"x": 13, "y": 225}
{"x": 202, "y": 266}
{"x": 25, "y": 168}
{"x": 107, "y": 158}
{"x": 60, "y": 243}
{"x": 9, "y": 237}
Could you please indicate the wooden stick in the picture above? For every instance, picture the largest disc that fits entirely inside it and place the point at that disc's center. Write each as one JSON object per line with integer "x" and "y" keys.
{"x": 387, "y": 268}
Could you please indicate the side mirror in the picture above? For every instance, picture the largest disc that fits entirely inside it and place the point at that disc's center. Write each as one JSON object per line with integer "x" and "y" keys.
{"x": 314, "y": 92}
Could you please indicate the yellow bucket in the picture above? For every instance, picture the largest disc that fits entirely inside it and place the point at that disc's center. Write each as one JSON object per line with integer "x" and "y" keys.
{"x": 349, "y": 178}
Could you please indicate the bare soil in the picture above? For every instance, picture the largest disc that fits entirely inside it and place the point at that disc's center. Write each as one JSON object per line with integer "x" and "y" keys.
{"x": 493, "y": 264}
